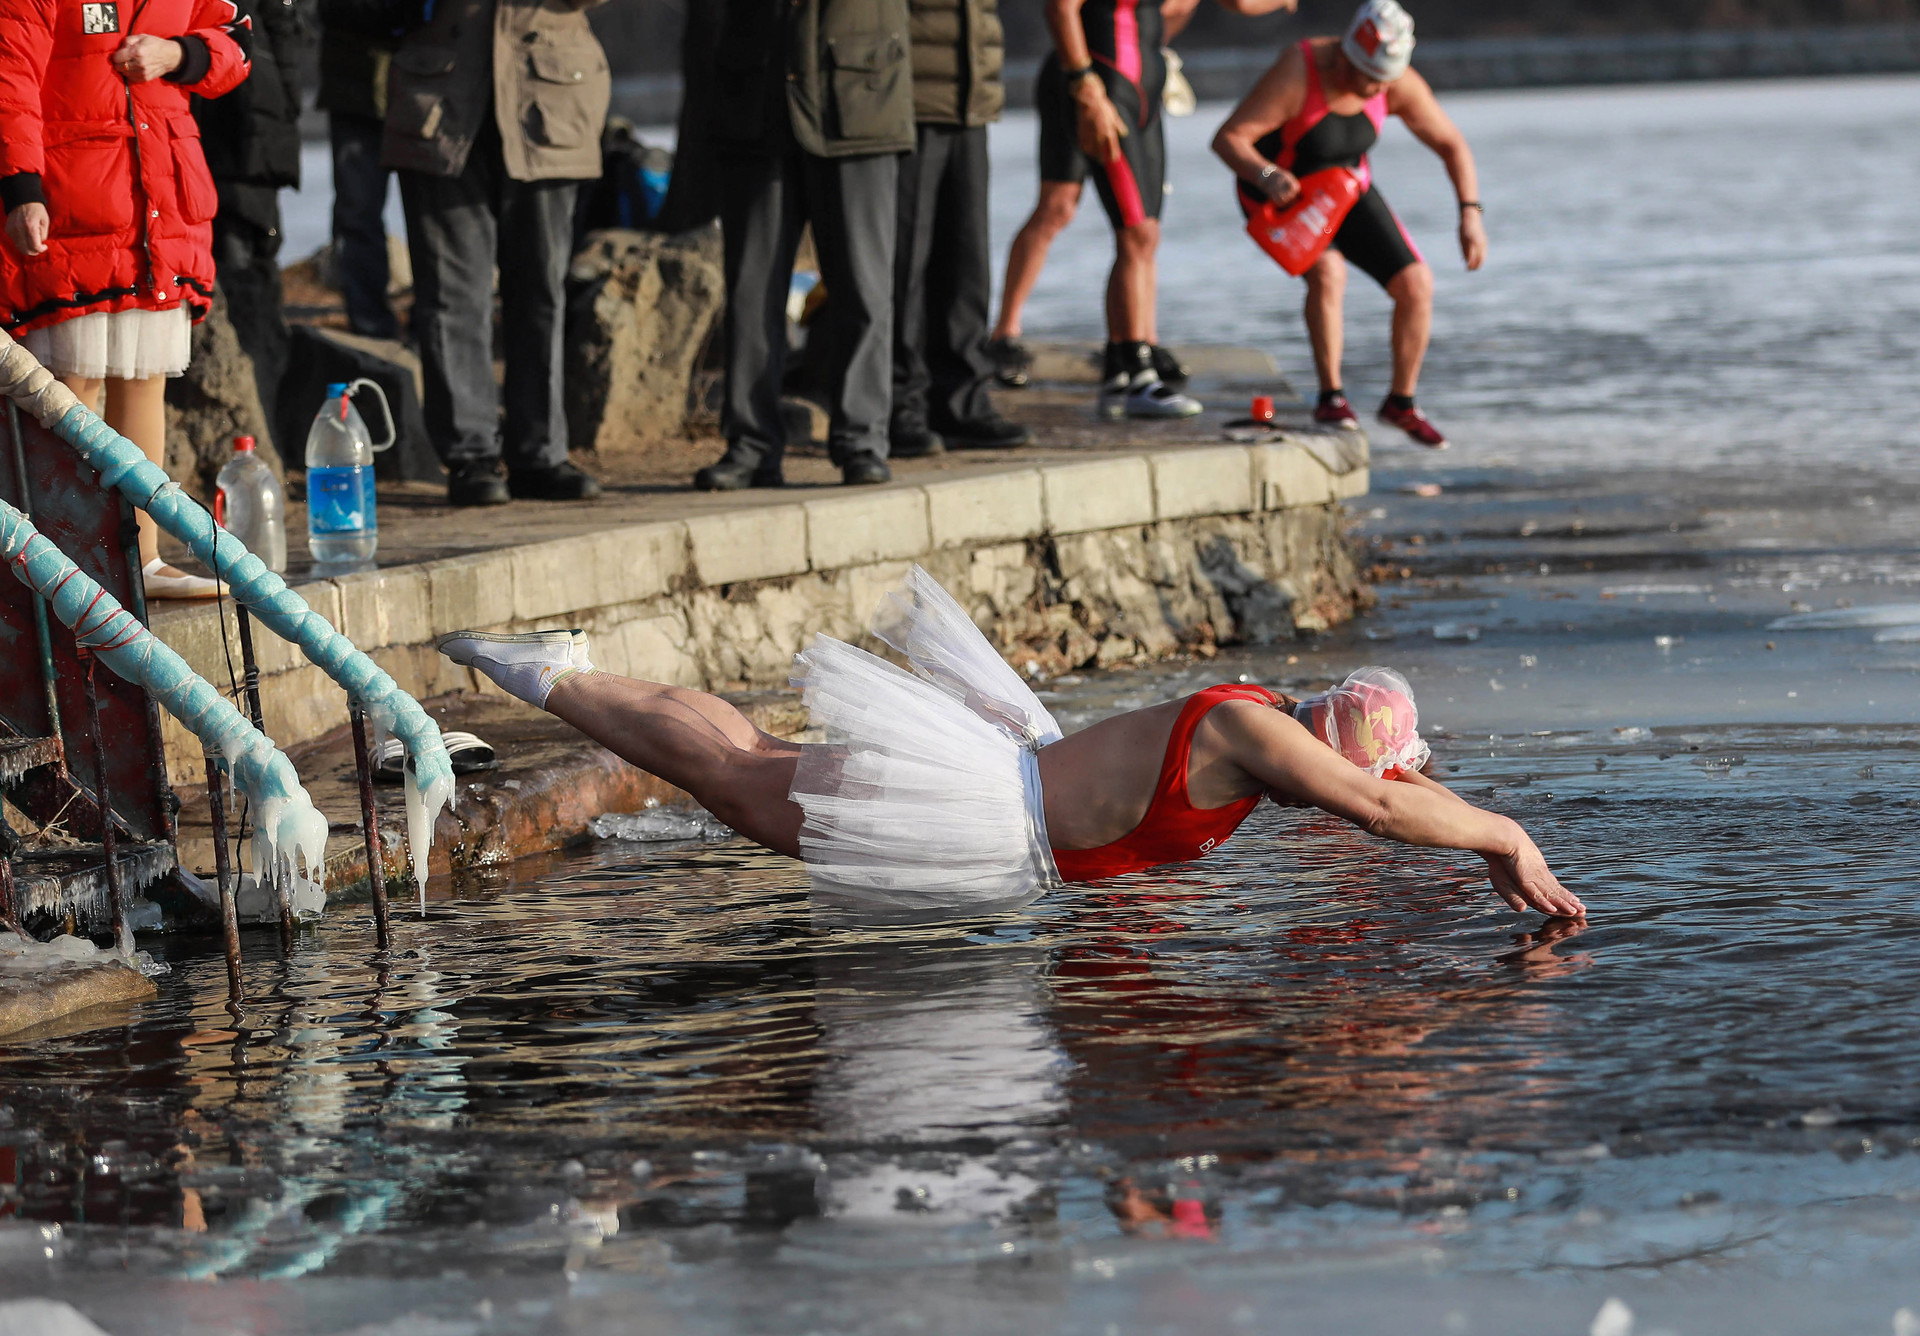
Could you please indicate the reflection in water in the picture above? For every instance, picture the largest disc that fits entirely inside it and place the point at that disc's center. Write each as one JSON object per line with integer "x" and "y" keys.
{"x": 660, "y": 1068}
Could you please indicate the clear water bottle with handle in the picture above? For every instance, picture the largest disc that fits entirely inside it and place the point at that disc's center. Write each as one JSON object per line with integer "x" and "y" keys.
{"x": 343, "y": 525}
{"x": 249, "y": 504}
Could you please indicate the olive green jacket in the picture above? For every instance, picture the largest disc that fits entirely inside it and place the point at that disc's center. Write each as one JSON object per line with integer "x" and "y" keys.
{"x": 836, "y": 71}
{"x": 958, "y": 51}
{"x": 534, "y": 63}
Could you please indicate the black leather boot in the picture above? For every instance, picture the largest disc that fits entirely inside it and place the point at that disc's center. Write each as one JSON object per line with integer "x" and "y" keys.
{"x": 741, "y": 467}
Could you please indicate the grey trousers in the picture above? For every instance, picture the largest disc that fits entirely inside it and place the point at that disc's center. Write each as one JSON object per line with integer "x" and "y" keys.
{"x": 765, "y": 200}
{"x": 943, "y": 281}
{"x": 457, "y": 228}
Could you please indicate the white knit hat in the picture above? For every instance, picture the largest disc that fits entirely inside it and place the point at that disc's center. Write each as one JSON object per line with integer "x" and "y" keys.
{"x": 1379, "y": 41}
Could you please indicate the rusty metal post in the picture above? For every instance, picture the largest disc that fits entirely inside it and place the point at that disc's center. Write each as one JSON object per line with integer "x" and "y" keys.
{"x": 370, "y": 822}
{"x": 109, "y": 837}
{"x": 223, "y": 875}
{"x": 10, "y": 899}
{"x": 250, "y": 667}
{"x": 42, "y": 630}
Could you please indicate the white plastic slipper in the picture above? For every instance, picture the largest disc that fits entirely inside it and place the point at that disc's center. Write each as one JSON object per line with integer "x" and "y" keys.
{"x": 176, "y": 586}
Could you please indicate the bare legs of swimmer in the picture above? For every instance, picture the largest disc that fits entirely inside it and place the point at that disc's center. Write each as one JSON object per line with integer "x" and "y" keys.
{"x": 1412, "y": 292}
{"x": 1131, "y": 283}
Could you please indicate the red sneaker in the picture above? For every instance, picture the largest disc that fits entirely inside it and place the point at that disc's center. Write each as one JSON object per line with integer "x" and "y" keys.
{"x": 1414, "y": 423}
{"x": 1336, "y": 412}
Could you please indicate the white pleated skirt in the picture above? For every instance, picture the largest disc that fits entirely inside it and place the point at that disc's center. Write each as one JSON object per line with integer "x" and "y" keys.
{"x": 926, "y": 792}
{"x": 118, "y": 345}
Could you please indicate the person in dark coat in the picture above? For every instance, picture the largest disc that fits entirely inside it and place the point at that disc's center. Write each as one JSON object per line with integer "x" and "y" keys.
{"x": 813, "y": 106}
{"x": 251, "y": 137}
{"x": 357, "y": 41}
{"x": 943, "y": 267}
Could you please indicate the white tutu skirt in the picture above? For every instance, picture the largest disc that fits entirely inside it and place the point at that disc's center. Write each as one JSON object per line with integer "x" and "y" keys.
{"x": 121, "y": 345}
{"x": 926, "y": 792}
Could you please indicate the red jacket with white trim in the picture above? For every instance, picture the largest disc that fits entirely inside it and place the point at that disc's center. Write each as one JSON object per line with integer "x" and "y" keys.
{"x": 118, "y": 165}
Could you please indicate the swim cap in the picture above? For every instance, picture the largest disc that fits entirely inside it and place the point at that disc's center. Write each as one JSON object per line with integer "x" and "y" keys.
{"x": 1379, "y": 41}
{"x": 1370, "y": 719}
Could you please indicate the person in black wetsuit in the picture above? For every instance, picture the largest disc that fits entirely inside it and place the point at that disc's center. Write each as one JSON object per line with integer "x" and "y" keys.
{"x": 1099, "y": 97}
{"x": 1322, "y": 105}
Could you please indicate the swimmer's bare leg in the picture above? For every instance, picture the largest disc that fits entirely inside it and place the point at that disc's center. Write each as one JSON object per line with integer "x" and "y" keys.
{"x": 1412, "y": 293}
{"x": 695, "y": 741}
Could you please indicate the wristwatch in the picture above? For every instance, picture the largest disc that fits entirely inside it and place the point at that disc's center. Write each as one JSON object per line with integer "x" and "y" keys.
{"x": 1073, "y": 77}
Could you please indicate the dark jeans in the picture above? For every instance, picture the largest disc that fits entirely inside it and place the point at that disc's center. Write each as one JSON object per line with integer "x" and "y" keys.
{"x": 457, "y": 228}
{"x": 359, "y": 230}
{"x": 765, "y": 200}
{"x": 247, "y": 268}
{"x": 943, "y": 281}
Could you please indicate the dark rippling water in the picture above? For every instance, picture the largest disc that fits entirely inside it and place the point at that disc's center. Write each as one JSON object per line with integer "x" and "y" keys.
{"x": 1315, "y": 1051}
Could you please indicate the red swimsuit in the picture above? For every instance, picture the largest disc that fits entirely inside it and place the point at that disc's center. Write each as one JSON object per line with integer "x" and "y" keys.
{"x": 1173, "y": 830}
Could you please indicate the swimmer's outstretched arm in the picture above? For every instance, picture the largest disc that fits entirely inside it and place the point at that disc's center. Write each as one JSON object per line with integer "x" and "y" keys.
{"x": 1291, "y": 763}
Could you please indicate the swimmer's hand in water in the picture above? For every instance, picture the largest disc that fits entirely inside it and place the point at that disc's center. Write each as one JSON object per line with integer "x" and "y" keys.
{"x": 1523, "y": 880}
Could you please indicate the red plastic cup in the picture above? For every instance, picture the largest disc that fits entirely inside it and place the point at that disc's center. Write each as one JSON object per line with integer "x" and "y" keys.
{"x": 1262, "y": 408}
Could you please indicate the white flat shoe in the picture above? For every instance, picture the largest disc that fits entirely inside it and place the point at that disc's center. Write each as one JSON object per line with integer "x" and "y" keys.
{"x": 176, "y": 586}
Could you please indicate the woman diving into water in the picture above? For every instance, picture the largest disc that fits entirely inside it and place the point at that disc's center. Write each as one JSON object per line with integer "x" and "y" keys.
{"x": 952, "y": 785}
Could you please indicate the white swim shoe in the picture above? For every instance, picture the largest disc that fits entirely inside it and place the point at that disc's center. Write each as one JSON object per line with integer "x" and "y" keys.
{"x": 527, "y": 666}
{"x": 1144, "y": 395}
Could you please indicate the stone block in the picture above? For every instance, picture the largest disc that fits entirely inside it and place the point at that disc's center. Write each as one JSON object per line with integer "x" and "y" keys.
{"x": 762, "y": 543}
{"x": 1216, "y": 480}
{"x": 389, "y": 607}
{"x": 1346, "y": 486}
{"x": 640, "y": 306}
{"x": 655, "y": 649}
{"x": 866, "y": 526}
{"x": 1289, "y": 476}
{"x": 594, "y": 570}
{"x": 471, "y": 592}
{"x": 997, "y": 508}
{"x": 1099, "y": 494}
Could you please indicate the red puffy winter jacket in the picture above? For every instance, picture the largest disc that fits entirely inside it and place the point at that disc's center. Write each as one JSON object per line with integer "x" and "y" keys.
{"x": 118, "y": 165}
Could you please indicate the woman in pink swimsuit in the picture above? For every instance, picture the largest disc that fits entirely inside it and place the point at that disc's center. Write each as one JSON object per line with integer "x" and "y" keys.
{"x": 1322, "y": 105}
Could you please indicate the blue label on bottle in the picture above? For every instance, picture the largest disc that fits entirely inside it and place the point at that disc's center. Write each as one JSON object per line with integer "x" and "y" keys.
{"x": 340, "y": 500}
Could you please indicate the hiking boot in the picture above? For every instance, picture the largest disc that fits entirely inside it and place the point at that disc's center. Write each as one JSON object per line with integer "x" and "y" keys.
{"x": 741, "y": 467}
{"x": 564, "y": 481}
{"x": 1333, "y": 410}
{"x": 989, "y": 431}
{"x": 1413, "y": 422}
{"x": 865, "y": 469}
{"x": 1012, "y": 362}
{"x": 477, "y": 482}
{"x": 1172, "y": 370}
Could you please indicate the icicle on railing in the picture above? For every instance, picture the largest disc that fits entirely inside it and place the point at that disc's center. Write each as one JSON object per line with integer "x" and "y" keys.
{"x": 429, "y": 783}
{"x": 290, "y": 836}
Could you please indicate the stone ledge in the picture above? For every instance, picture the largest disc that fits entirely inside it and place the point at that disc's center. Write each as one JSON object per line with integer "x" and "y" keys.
{"x": 1107, "y": 493}
{"x": 867, "y": 526}
{"x": 632, "y": 584}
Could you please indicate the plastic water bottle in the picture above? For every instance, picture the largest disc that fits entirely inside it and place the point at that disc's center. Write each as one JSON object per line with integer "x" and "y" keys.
{"x": 249, "y": 504}
{"x": 343, "y": 525}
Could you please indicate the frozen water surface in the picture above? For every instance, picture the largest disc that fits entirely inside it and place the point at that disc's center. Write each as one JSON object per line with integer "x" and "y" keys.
{"x": 1312, "y": 1085}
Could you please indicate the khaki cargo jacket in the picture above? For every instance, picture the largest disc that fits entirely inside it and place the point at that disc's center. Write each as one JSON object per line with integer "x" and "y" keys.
{"x": 534, "y": 63}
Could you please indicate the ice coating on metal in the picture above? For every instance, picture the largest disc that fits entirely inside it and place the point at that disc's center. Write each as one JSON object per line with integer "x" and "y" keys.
{"x": 146, "y": 485}
{"x": 291, "y": 834}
